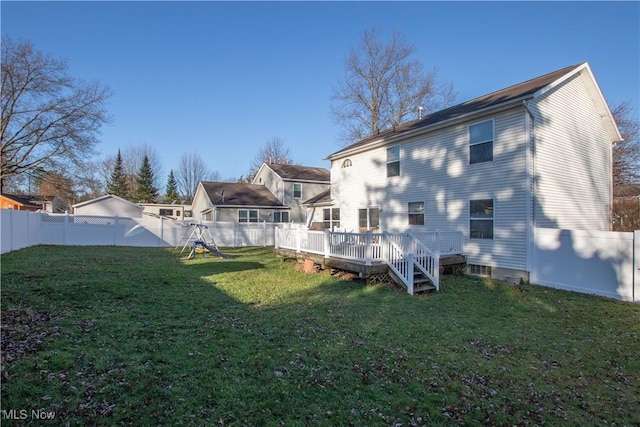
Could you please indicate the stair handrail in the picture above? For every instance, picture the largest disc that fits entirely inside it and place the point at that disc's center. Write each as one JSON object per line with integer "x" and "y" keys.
{"x": 426, "y": 260}
{"x": 398, "y": 262}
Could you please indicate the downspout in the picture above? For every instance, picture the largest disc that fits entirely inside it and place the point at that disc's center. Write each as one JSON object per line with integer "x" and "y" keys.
{"x": 530, "y": 189}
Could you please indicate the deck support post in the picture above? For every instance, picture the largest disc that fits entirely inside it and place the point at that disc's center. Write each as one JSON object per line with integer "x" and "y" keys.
{"x": 410, "y": 260}
{"x": 327, "y": 243}
{"x": 368, "y": 248}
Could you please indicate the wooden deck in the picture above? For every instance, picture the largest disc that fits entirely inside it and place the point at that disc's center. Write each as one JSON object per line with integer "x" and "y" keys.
{"x": 360, "y": 267}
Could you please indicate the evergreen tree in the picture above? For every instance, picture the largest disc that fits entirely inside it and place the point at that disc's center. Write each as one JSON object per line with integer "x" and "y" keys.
{"x": 145, "y": 192}
{"x": 117, "y": 185}
{"x": 172, "y": 195}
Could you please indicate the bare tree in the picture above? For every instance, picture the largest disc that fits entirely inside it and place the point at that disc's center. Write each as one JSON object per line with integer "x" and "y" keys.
{"x": 89, "y": 180}
{"x": 59, "y": 185}
{"x": 49, "y": 119}
{"x": 273, "y": 151}
{"x": 626, "y": 154}
{"x": 383, "y": 85}
{"x": 191, "y": 170}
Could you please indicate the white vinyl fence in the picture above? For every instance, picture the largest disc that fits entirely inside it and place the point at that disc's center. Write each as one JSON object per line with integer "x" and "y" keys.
{"x": 22, "y": 229}
{"x": 603, "y": 263}
{"x": 593, "y": 262}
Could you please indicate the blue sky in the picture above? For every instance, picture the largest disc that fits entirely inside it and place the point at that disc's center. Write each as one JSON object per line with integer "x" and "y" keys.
{"x": 222, "y": 78}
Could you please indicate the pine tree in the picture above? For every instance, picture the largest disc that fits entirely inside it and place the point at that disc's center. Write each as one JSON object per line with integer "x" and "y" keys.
{"x": 145, "y": 192}
{"x": 117, "y": 185}
{"x": 172, "y": 195}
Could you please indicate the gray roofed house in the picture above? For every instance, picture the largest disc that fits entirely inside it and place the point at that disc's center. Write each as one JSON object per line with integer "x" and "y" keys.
{"x": 293, "y": 185}
{"x": 236, "y": 202}
{"x": 297, "y": 172}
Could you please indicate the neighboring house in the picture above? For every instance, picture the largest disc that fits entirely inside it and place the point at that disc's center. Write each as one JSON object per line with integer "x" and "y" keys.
{"x": 109, "y": 205}
{"x": 18, "y": 203}
{"x": 293, "y": 185}
{"x": 321, "y": 212}
{"x": 173, "y": 211}
{"x": 536, "y": 154}
{"x": 51, "y": 204}
{"x": 236, "y": 202}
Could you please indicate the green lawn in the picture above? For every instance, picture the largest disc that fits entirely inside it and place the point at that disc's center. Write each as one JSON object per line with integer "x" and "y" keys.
{"x": 134, "y": 336}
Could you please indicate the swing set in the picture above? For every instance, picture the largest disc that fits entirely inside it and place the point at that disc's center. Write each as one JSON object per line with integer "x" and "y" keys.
{"x": 201, "y": 241}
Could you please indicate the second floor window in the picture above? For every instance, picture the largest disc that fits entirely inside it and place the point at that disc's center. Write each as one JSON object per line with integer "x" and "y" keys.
{"x": 297, "y": 190}
{"x": 481, "y": 142}
{"x": 393, "y": 161}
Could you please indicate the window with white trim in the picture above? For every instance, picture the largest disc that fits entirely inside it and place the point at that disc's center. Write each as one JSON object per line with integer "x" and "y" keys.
{"x": 247, "y": 215}
{"x": 416, "y": 213}
{"x": 481, "y": 142}
{"x": 331, "y": 218}
{"x": 297, "y": 190}
{"x": 281, "y": 216}
{"x": 369, "y": 219}
{"x": 481, "y": 219}
{"x": 393, "y": 161}
{"x": 166, "y": 212}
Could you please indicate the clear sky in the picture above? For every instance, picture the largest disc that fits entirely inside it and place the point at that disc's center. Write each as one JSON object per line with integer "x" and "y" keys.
{"x": 222, "y": 78}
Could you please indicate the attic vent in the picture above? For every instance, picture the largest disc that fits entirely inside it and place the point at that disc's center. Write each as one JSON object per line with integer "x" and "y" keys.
{"x": 347, "y": 163}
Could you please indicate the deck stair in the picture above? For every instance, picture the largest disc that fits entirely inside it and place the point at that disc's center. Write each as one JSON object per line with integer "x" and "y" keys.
{"x": 421, "y": 283}
{"x": 412, "y": 264}
{"x": 412, "y": 259}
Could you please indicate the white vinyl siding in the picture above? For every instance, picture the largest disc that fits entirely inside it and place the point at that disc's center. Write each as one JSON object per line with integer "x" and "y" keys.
{"x": 572, "y": 161}
{"x": 435, "y": 168}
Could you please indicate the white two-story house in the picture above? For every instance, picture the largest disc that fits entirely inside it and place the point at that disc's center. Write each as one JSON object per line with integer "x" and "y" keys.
{"x": 536, "y": 154}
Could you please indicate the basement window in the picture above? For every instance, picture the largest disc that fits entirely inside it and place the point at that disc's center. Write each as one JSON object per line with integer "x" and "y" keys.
{"x": 479, "y": 270}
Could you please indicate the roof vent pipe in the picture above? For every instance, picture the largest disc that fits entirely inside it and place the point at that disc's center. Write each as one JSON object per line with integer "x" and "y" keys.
{"x": 420, "y": 112}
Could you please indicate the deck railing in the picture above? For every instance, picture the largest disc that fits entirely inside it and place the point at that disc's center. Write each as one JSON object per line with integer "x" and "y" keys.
{"x": 403, "y": 252}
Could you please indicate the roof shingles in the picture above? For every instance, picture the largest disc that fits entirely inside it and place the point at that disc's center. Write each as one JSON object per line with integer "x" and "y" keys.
{"x": 511, "y": 93}
{"x": 240, "y": 194}
{"x": 300, "y": 173}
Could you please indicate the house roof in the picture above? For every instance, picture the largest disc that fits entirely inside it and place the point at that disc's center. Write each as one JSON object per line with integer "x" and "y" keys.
{"x": 107, "y": 196}
{"x": 511, "y": 94}
{"x": 23, "y": 200}
{"x": 322, "y": 198}
{"x": 240, "y": 194}
{"x": 300, "y": 173}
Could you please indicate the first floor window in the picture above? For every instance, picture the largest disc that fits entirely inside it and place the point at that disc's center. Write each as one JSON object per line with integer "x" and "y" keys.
{"x": 481, "y": 219}
{"x": 331, "y": 218}
{"x": 281, "y": 216}
{"x": 297, "y": 190}
{"x": 166, "y": 212}
{"x": 481, "y": 142}
{"x": 247, "y": 215}
{"x": 369, "y": 219}
{"x": 416, "y": 213}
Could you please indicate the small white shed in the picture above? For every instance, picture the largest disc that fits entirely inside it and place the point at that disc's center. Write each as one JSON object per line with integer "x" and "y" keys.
{"x": 109, "y": 205}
